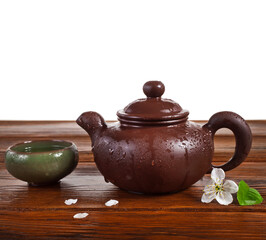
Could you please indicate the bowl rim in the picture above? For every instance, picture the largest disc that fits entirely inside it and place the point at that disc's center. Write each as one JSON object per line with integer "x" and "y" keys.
{"x": 44, "y": 140}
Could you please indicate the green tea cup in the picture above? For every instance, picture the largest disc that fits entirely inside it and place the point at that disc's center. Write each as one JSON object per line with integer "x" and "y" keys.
{"x": 41, "y": 162}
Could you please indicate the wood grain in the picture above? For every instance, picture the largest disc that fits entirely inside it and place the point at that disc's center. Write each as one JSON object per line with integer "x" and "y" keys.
{"x": 40, "y": 213}
{"x": 12, "y": 132}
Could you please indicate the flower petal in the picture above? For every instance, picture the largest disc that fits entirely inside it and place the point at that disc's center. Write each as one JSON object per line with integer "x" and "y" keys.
{"x": 224, "y": 198}
{"x": 209, "y": 187}
{"x": 111, "y": 203}
{"x": 71, "y": 201}
{"x": 208, "y": 197}
{"x": 230, "y": 186}
{"x": 217, "y": 175}
{"x": 80, "y": 215}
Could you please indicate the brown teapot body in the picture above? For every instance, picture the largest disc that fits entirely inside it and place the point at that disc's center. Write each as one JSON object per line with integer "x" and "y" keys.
{"x": 146, "y": 152}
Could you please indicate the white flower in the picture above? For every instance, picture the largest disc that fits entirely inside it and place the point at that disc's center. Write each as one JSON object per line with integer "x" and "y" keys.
{"x": 218, "y": 189}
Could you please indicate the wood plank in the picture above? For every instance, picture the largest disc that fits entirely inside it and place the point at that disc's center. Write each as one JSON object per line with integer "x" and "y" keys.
{"x": 12, "y": 132}
{"x": 34, "y": 212}
{"x": 40, "y": 213}
{"x": 88, "y": 185}
{"x": 224, "y": 147}
{"x": 133, "y": 225}
{"x": 70, "y": 128}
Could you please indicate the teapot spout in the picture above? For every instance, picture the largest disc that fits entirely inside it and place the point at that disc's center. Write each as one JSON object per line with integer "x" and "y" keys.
{"x": 92, "y": 123}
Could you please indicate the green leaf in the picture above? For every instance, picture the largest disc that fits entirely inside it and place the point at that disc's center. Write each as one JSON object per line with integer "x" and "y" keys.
{"x": 247, "y": 195}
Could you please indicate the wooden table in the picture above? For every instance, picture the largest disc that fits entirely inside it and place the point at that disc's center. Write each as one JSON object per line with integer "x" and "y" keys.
{"x": 32, "y": 212}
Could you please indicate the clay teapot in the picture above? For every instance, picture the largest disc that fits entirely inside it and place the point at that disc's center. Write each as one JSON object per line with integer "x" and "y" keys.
{"x": 153, "y": 148}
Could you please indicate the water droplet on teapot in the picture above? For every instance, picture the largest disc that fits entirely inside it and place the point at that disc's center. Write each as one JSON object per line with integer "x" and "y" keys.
{"x": 124, "y": 154}
{"x": 128, "y": 177}
{"x": 152, "y": 163}
{"x": 186, "y": 154}
{"x": 106, "y": 180}
{"x": 111, "y": 151}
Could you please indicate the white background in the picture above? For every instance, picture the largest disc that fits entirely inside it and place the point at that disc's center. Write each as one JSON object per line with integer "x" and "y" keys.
{"x": 61, "y": 58}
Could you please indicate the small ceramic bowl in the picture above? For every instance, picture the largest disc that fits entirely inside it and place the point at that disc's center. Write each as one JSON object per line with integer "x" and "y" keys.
{"x": 41, "y": 162}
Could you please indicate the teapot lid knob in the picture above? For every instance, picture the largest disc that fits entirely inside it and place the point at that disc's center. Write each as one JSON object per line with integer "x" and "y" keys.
{"x": 153, "y": 89}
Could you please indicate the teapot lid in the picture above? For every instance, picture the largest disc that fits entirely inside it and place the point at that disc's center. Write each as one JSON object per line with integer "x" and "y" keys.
{"x": 152, "y": 110}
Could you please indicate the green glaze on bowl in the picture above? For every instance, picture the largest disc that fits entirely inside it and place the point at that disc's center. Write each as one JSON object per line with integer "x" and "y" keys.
{"x": 41, "y": 162}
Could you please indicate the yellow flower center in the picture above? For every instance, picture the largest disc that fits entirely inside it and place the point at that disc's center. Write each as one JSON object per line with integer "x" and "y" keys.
{"x": 218, "y": 187}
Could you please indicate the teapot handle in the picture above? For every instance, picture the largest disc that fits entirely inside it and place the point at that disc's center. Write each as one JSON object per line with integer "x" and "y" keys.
{"x": 242, "y": 132}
